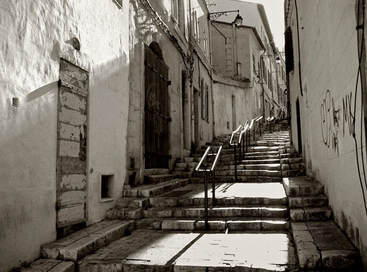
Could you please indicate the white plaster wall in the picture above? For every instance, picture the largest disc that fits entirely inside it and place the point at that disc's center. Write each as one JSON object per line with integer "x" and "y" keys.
{"x": 32, "y": 39}
{"x": 246, "y": 106}
{"x": 329, "y": 62}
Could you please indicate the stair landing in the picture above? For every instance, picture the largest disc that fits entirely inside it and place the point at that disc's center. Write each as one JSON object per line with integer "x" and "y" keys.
{"x": 172, "y": 251}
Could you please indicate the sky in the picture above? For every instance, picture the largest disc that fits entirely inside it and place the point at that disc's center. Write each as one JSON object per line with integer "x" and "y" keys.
{"x": 275, "y": 12}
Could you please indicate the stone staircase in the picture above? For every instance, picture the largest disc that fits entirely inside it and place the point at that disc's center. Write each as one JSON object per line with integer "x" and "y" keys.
{"x": 271, "y": 197}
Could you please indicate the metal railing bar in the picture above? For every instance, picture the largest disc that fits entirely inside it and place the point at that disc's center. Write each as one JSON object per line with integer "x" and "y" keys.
{"x": 202, "y": 159}
{"x": 216, "y": 158}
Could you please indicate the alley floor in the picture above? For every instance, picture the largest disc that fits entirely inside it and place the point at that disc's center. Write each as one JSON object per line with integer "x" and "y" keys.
{"x": 272, "y": 219}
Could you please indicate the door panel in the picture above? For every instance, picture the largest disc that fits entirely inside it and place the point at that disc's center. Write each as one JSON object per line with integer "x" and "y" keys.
{"x": 71, "y": 178}
{"x": 157, "y": 116}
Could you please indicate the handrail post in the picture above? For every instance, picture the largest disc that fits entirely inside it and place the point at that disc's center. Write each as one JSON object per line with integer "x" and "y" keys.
{"x": 213, "y": 190}
{"x": 206, "y": 200}
{"x": 235, "y": 163}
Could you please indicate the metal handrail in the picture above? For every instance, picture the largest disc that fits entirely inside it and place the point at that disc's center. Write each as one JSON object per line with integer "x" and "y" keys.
{"x": 234, "y": 133}
{"x": 208, "y": 173}
{"x": 202, "y": 160}
{"x": 216, "y": 158}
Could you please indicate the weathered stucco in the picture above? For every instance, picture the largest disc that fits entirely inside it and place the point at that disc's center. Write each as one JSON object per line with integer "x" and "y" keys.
{"x": 33, "y": 37}
{"x": 223, "y": 90}
{"x": 329, "y": 61}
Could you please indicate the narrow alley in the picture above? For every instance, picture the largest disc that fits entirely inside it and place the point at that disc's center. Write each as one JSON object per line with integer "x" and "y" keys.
{"x": 183, "y": 135}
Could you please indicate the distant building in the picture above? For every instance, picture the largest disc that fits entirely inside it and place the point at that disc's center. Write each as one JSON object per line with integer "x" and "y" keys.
{"x": 249, "y": 69}
{"x": 326, "y": 67}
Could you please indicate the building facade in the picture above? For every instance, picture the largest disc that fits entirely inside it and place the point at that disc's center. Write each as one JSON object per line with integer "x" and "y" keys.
{"x": 326, "y": 70}
{"x": 171, "y": 37}
{"x": 64, "y": 106}
{"x": 245, "y": 55}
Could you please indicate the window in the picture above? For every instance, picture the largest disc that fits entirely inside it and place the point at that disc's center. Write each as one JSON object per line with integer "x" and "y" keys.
{"x": 106, "y": 186}
{"x": 195, "y": 24}
{"x": 289, "y": 58}
{"x": 239, "y": 69}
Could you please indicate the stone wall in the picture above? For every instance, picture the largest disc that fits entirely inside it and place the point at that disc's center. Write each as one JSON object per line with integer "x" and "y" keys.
{"x": 329, "y": 65}
{"x": 34, "y": 36}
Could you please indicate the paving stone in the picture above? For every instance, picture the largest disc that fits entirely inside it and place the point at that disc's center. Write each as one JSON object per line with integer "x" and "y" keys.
{"x": 83, "y": 242}
{"x": 308, "y": 255}
{"x": 163, "y": 202}
{"x": 144, "y": 250}
{"x": 298, "y": 226}
{"x": 339, "y": 259}
{"x": 49, "y": 265}
{"x": 331, "y": 239}
{"x": 297, "y": 214}
{"x": 231, "y": 252}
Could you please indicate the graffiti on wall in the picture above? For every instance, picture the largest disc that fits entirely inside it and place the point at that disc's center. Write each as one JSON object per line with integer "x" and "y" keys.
{"x": 337, "y": 120}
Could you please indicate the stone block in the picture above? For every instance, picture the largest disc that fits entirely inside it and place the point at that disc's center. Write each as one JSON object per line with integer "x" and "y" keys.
{"x": 244, "y": 225}
{"x": 308, "y": 255}
{"x": 297, "y": 215}
{"x": 213, "y": 225}
{"x": 298, "y": 226}
{"x": 187, "y": 225}
{"x": 339, "y": 259}
{"x": 49, "y": 265}
{"x": 274, "y": 225}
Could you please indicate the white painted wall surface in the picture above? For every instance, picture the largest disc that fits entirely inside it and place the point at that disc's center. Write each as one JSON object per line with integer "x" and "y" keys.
{"x": 329, "y": 59}
{"x": 246, "y": 106}
{"x": 33, "y": 36}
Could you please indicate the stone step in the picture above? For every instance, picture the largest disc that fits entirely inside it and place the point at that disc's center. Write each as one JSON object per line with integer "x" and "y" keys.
{"x": 309, "y": 201}
{"x": 311, "y": 214}
{"x": 156, "y": 171}
{"x": 124, "y": 213}
{"x": 230, "y": 178}
{"x": 154, "y": 189}
{"x": 83, "y": 242}
{"x": 293, "y": 166}
{"x": 188, "y": 159}
{"x": 181, "y": 165}
{"x": 238, "y": 211}
{"x": 164, "y": 202}
{"x": 322, "y": 245}
{"x": 260, "y": 161}
{"x": 269, "y": 166}
{"x": 293, "y": 173}
{"x": 302, "y": 186}
{"x": 292, "y": 160}
{"x": 241, "y": 224}
{"x": 132, "y": 202}
{"x": 154, "y": 179}
{"x": 242, "y": 172}
{"x": 49, "y": 265}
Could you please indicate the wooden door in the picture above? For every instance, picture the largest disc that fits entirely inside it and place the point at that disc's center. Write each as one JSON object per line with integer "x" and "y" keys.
{"x": 71, "y": 172}
{"x": 157, "y": 115}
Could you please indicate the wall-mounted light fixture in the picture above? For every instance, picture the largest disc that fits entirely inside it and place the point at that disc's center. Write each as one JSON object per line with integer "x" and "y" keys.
{"x": 215, "y": 15}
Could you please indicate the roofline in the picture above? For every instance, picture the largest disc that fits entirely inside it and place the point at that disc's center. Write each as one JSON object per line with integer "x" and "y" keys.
{"x": 267, "y": 26}
{"x": 244, "y": 26}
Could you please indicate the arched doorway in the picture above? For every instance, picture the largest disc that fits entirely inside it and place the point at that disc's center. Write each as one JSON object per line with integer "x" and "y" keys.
{"x": 157, "y": 116}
